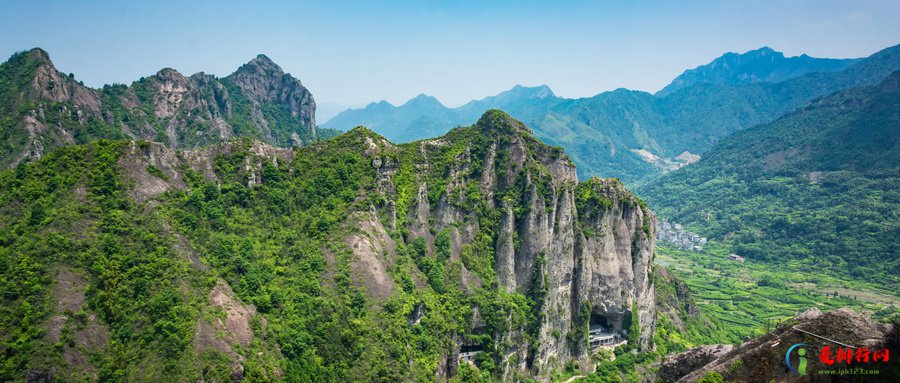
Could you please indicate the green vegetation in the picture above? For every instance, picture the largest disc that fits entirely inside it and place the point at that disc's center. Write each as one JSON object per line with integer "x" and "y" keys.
{"x": 134, "y": 276}
{"x": 760, "y": 65}
{"x": 716, "y": 300}
{"x": 281, "y": 246}
{"x": 711, "y": 377}
{"x": 20, "y": 101}
{"x": 814, "y": 190}
{"x": 41, "y": 109}
{"x": 746, "y": 299}
{"x": 156, "y": 172}
{"x": 602, "y": 133}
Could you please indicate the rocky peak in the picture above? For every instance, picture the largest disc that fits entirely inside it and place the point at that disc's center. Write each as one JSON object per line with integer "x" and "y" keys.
{"x": 262, "y": 80}
{"x": 261, "y": 65}
{"x": 423, "y": 101}
{"x": 172, "y": 89}
{"x": 184, "y": 112}
{"x": 540, "y": 91}
{"x": 583, "y": 263}
{"x": 169, "y": 74}
{"x": 759, "y": 65}
{"x": 48, "y": 83}
{"x": 172, "y": 81}
{"x": 39, "y": 55}
{"x": 496, "y": 121}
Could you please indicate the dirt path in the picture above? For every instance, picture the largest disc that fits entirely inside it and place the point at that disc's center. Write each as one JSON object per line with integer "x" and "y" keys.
{"x": 572, "y": 379}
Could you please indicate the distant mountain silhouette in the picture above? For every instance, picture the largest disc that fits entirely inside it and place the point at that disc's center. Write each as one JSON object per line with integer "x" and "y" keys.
{"x": 637, "y": 136}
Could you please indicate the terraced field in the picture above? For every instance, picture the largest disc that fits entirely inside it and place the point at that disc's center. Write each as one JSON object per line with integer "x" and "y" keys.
{"x": 746, "y": 298}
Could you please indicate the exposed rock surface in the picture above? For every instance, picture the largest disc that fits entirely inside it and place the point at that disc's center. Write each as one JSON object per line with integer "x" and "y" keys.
{"x": 373, "y": 251}
{"x": 678, "y": 365}
{"x": 52, "y": 109}
{"x": 674, "y": 299}
{"x": 231, "y": 330}
{"x": 762, "y": 359}
{"x": 71, "y": 319}
{"x": 167, "y": 165}
{"x": 588, "y": 260}
{"x": 263, "y": 81}
{"x": 581, "y": 251}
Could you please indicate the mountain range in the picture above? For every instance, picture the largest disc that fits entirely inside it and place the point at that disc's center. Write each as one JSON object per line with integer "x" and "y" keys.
{"x": 636, "y": 136}
{"x": 205, "y": 229}
{"x": 761, "y": 65}
{"x": 818, "y": 186}
{"x": 43, "y": 108}
{"x": 351, "y": 259}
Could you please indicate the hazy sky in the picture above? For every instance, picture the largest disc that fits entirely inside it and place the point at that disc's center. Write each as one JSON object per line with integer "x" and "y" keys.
{"x": 361, "y": 51}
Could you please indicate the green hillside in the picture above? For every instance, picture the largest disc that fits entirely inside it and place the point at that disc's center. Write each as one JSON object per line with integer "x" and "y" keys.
{"x": 124, "y": 261}
{"x": 818, "y": 188}
{"x": 637, "y": 136}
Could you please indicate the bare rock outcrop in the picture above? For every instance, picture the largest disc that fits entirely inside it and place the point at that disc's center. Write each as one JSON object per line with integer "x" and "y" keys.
{"x": 678, "y": 365}
{"x": 53, "y": 109}
{"x": 264, "y": 81}
{"x": 762, "y": 359}
{"x": 72, "y": 319}
{"x": 155, "y": 168}
{"x": 582, "y": 251}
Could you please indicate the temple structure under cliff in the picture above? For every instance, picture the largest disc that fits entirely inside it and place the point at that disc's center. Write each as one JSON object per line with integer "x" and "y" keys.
{"x": 602, "y": 337}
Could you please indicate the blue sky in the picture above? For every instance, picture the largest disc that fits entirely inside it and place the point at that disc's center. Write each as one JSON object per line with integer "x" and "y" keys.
{"x": 360, "y": 51}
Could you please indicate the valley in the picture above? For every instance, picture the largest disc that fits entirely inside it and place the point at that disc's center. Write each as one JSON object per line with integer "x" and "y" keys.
{"x": 208, "y": 229}
{"x": 747, "y": 298}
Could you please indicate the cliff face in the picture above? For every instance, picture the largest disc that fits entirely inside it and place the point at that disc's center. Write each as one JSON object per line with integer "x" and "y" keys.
{"x": 45, "y": 108}
{"x": 263, "y": 81}
{"x": 482, "y": 240}
{"x": 581, "y": 251}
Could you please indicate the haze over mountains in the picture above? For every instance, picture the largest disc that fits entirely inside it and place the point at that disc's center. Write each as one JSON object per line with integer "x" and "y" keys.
{"x": 205, "y": 229}
{"x": 819, "y": 185}
{"x": 761, "y": 65}
{"x": 634, "y": 135}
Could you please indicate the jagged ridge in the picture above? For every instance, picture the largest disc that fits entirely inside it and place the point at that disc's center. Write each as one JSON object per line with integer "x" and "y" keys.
{"x": 44, "y": 108}
{"x": 481, "y": 238}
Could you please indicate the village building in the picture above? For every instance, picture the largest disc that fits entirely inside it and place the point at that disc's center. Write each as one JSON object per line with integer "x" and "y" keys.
{"x": 675, "y": 234}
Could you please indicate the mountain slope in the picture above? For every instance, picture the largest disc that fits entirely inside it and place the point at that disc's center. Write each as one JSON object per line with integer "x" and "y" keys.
{"x": 753, "y": 360}
{"x": 633, "y": 135}
{"x": 352, "y": 259}
{"x": 43, "y": 108}
{"x": 760, "y": 65}
{"x": 424, "y": 116}
{"x": 818, "y": 186}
